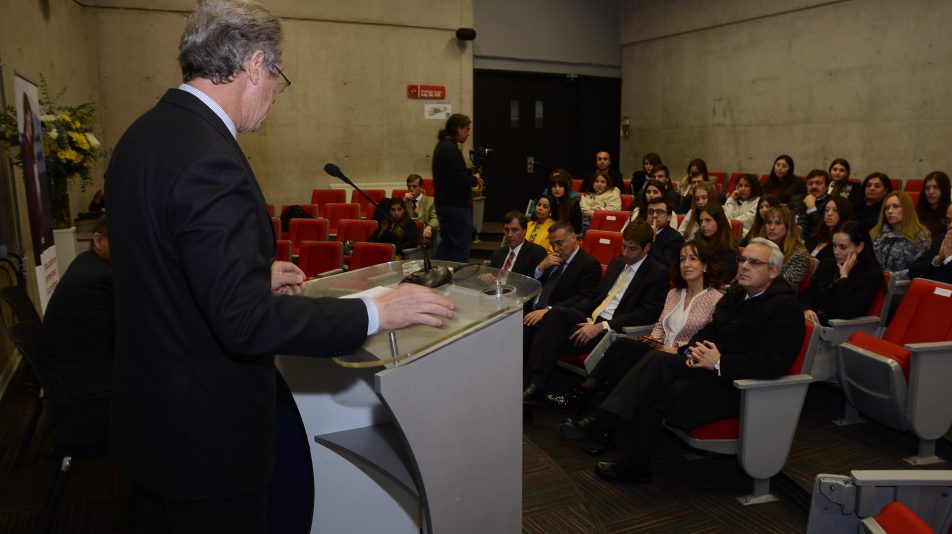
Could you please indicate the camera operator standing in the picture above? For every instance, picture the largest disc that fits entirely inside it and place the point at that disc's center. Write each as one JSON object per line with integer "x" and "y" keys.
{"x": 453, "y": 183}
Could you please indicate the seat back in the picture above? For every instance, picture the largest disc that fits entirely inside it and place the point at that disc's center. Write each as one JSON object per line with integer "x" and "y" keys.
{"x": 367, "y": 254}
{"x": 366, "y": 208}
{"x": 609, "y": 220}
{"x": 914, "y": 197}
{"x": 399, "y": 193}
{"x": 270, "y": 210}
{"x": 20, "y": 304}
{"x": 276, "y": 222}
{"x": 923, "y": 315}
{"x": 627, "y": 201}
{"x": 604, "y": 245}
{"x": 355, "y": 229}
{"x": 736, "y": 228}
{"x": 322, "y": 197}
{"x": 334, "y": 212}
{"x": 310, "y": 209}
{"x": 577, "y": 186}
{"x": 317, "y": 257}
{"x": 731, "y": 182}
{"x": 308, "y": 230}
{"x": 428, "y": 188}
{"x": 808, "y": 338}
{"x": 913, "y": 185}
{"x": 718, "y": 178}
{"x": 283, "y": 250}
{"x": 811, "y": 268}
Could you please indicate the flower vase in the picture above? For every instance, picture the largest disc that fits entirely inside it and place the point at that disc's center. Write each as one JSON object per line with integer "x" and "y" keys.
{"x": 59, "y": 201}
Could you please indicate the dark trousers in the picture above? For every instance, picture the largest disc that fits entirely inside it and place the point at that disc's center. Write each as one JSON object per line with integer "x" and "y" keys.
{"x": 661, "y": 384}
{"x": 623, "y": 354}
{"x": 456, "y": 233}
{"x": 243, "y": 514}
{"x": 545, "y": 342}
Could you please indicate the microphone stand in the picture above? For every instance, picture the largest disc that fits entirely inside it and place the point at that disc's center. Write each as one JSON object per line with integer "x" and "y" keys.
{"x": 429, "y": 276}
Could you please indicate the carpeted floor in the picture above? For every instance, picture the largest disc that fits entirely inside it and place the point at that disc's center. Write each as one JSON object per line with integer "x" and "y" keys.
{"x": 561, "y": 493}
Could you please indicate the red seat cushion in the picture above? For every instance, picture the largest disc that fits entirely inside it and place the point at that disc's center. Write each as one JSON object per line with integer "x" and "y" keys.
{"x": 577, "y": 360}
{"x": 884, "y": 348}
{"x": 897, "y": 517}
{"x": 723, "y": 429}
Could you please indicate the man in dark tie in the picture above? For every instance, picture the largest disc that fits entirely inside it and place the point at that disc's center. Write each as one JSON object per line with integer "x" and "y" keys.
{"x": 631, "y": 293}
{"x": 518, "y": 256}
{"x": 667, "y": 240}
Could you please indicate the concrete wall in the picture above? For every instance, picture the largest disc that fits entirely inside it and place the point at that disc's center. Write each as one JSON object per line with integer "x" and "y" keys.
{"x": 740, "y": 81}
{"x": 555, "y": 36}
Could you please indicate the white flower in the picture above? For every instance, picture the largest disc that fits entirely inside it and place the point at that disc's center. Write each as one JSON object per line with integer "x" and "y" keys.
{"x": 48, "y": 118}
{"x": 53, "y": 133}
{"x": 93, "y": 142}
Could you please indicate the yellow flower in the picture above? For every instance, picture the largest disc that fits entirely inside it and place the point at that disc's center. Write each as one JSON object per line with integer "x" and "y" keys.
{"x": 79, "y": 140}
{"x": 70, "y": 155}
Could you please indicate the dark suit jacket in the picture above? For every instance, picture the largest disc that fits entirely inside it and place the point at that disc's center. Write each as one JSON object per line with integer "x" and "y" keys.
{"x": 577, "y": 283}
{"x": 193, "y": 412}
{"x": 643, "y": 299}
{"x": 923, "y": 268}
{"x": 667, "y": 245}
{"x": 529, "y": 257}
{"x": 78, "y": 331}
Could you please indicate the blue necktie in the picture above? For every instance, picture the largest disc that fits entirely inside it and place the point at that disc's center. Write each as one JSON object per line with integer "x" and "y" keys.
{"x": 548, "y": 288}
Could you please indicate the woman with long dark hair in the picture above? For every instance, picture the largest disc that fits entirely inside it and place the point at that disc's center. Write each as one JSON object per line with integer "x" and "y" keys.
{"x": 564, "y": 207}
{"x": 403, "y": 233}
{"x": 840, "y": 184}
{"x": 742, "y": 203}
{"x": 845, "y": 287}
{"x": 453, "y": 183}
{"x": 640, "y": 177}
{"x": 838, "y": 210}
{"x": 782, "y": 181}
{"x": 934, "y": 201}
{"x": 715, "y": 230}
{"x": 875, "y": 188}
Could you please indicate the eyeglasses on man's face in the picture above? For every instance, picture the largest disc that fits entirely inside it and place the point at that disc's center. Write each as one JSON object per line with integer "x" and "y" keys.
{"x": 754, "y": 262}
{"x": 282, "y": 86}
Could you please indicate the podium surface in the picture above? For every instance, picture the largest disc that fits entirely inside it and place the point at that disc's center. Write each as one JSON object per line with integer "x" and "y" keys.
{"x": 422, "y": 432}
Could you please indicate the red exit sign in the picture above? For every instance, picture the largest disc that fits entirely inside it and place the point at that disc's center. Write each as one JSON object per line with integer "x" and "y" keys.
{"x": 426, "y": 92}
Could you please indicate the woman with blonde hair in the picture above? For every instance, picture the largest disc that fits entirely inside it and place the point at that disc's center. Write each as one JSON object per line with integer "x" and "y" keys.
{"x": 898, "y": 237}
{"x": 702, "y": 194}
{"x": 780, "y": 226}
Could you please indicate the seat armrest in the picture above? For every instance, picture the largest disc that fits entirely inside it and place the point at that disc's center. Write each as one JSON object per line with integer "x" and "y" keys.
{"x": 639, "y": 330}
{"x": 755, "y": 383}
{"x": 929, "y": 398}
{"x": 857, "y": 321}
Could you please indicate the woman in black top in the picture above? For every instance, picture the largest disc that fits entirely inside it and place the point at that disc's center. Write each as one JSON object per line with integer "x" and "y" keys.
{"x": 403, "y": 234}
{"x": 564, "y": 207}
{"x": 716, "y": 231}
{"x": 837, "y": 211}
{"x": 934, "y": 201}
{"x": 844, "y": 288}
{"x": 783, "y": 182}
{"x": 638, "y": 178}
{"x": 875, "y": 188}
{"x": 453, "y": 183}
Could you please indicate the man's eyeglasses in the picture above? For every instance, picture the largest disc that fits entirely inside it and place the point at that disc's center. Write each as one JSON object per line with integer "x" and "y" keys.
{"x": 285, "y": 84}
{"x": 658, "y": 211}
{"x": 754, "y": 262}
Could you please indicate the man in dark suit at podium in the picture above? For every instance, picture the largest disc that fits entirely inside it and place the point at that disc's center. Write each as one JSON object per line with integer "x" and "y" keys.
{"x": 631, "y": 293}
{"x": 201, "y": 308}
{"x": 518, "y": 256}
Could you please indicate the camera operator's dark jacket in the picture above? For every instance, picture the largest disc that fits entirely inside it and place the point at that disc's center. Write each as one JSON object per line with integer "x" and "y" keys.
{"x": 452, "y": 181}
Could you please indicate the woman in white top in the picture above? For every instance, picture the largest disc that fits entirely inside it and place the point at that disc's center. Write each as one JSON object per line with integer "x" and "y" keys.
{"x": 688, "y": 307}
{"x": 605, "y": 197}
{"x": 742, "y": 202}
{"x": 702, "y": 194}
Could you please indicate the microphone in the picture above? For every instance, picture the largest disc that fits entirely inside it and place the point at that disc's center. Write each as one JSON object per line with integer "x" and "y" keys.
{"x": 429, "y": 276}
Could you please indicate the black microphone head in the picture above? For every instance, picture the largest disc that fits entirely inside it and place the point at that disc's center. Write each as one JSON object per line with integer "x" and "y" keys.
{"x": 333, "y": 170}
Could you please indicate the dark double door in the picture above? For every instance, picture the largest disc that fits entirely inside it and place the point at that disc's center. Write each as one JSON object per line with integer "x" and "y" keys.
{"x": 536, "y": 123}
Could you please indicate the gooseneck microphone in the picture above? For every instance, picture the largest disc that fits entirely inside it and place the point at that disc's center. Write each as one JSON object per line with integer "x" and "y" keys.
{"x": 429, "y": 276}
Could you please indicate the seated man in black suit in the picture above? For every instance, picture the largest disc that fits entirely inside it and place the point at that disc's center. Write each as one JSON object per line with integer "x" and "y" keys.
{"x": 667, "y": 240}
{"x": 76, "y": 350}
{"x": 518, "y": 256}
{"x": 810, "y": 209}
{"x": 756, "y": 332}
{"x": 936, "y": 263}
{"x": 631, "y": 293}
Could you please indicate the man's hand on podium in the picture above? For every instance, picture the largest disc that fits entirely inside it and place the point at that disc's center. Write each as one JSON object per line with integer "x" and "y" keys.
{"x": 410, "y": 304}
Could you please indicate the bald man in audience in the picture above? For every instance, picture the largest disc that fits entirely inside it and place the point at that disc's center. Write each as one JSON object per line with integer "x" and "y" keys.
{"x": 631, "y": 293}
{"x": 756, "y": 332}
{"x": 518, "y": 256}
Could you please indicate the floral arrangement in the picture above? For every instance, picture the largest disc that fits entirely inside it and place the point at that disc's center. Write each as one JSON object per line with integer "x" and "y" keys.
{"x": 70, "y": 147}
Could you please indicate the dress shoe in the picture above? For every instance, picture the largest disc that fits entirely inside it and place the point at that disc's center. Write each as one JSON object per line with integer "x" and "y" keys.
{"x": 572, "y": 400}
{"x": 531, "y": 392}
{"x": 621, "y": 472}
{"x": 577, "y": 429}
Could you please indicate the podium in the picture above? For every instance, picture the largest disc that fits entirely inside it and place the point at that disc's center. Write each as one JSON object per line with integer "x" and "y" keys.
{"x": 420, "y": 431}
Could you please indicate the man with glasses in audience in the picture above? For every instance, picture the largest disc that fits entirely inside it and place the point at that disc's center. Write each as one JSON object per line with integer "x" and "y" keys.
{"x": 421, "y": 207}
{"x": 756, "y": 332}
{"x": 936, "y": 263}
{"x": 200, "y": 306}
{"x": 667, "y": 240}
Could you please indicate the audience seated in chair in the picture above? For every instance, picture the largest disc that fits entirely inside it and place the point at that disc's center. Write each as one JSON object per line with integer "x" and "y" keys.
{"x": 756, "y": 332}
{"x": 564, "y": 202}
{"x": 715, "y": 230}
{"x": 402, "y": 233}
{"x": 741, "y": 204}
{"x": 653, "y": 190}
{"x": 757, "y": 228}
{"x": 702, "y": 194}
{"x": 76, "y": 351}
{"x": 631, "y": 293}
{"x": 604, "y": 196}
{"x": 603, "y": 167}
{"x": 697, "y": 173}
{"x": 518, "y": 256}
{"x": 810, "y": 210}
{"x": 687, "y": 308}
{"x": 898, "y": 237}
{"x": 421, "y": 207}
{"x": 784, "y": 183}
{"x": 875, "y": 187}
{"x": 837, "y": 211}
{"x": 936, "y": 263}
{"x": 780, "y": 227}
{"x": 935, "y": 201}
{"x": 844, "y": 287}
{"x": 667, "y": 241}
{"x": 640, "y": 178}
{"x": 538, "y": 229}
